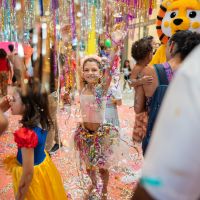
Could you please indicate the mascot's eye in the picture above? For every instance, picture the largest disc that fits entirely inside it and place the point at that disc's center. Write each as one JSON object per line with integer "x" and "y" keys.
{"x": 192, "y": 14}
{"x": 173, "y": 14}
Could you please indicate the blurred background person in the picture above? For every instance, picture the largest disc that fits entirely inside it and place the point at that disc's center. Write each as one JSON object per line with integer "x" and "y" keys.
{"x": 127, "y": 72}
{"x": 5, "y": 69}
{"x": 149, "y": 97}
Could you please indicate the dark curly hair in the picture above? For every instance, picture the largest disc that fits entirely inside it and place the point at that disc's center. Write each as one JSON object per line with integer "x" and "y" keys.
{"x": 3, "y": 53}
{"x": 11, "y": 47}
{"x": 185, "y": 42}
{"x": 36, "y": 108}
{"x": 141, "y": 49}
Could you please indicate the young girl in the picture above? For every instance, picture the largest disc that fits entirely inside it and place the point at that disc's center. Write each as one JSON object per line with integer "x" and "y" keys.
{"x": 95, "y": 140}
{"x": 127, "y": 71}
{"x": 34, "y": 175}
{"x": 142, "y": 52}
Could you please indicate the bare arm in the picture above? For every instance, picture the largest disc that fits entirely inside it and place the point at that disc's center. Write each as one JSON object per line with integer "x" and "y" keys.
{"x": 144, "y": 80}
{"x": 80, "y": 80}
{"x": 139, "y": 103}
{"x": 3, "y": 122}
{"x": 114, "y": 64}
{"x": 4, "y": 106}
{"x": 107, "y": 79}
{"x": 142, "y": 91}
{"x": 117, "y": 102}
{"x": 5, "y": 103}
{"x": 79, "y": 71}
{"x": 27, "y": 175}
{"x": 141, "y": 193}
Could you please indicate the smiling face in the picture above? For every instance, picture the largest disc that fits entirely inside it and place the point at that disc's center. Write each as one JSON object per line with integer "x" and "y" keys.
{"x": 178, "y": 20}
{"x": 177, "y": 15}
{"x": 91, "y": 72}
{"x": 17, "y": 106}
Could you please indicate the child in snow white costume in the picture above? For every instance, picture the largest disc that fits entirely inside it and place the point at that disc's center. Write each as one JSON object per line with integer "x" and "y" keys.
{"x": 35, "y": 177}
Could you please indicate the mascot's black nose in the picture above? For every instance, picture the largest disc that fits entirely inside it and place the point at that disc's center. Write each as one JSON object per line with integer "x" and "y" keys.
{"x": 178, "y": 21}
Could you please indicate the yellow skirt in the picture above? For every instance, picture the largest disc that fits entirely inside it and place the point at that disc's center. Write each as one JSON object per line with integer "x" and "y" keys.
{"x": 46, "y": 183}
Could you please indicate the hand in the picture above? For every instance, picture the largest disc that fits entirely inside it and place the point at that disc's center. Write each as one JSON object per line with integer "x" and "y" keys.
{"x": 146, "y": 80}
{"x": 114, "y": 101}
{"x": 5, "y": 103}
{"x": 17, "y": 196}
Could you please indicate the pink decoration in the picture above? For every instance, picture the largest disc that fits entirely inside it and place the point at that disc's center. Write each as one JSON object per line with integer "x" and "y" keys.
{"x": 27, "y": 49}
{"x": 55, "y": 4}
{"x": 72, "y": 19}
{"x": 4, "y": 45}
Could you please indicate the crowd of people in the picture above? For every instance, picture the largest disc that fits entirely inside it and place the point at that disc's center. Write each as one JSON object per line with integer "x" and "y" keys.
{"x": 161, "y": 125}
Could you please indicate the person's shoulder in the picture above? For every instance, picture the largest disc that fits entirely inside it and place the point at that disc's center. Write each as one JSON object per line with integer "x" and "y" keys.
{"x": 25, "y": 137}
{"x": 148, "y": 70}
{"x": 136, "y": 68}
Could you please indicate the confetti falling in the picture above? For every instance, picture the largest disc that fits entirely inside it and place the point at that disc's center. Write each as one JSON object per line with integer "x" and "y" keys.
{"x": 123, "y": 178}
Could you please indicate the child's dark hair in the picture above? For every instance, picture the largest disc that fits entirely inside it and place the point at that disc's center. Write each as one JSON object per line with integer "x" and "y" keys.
{"x": 185, "y": 42}
{"x": 141, "y": 49}
{"x": 126, "y": 62}
{"x": 3, "y": 53}
{"x": 36, "y": 109}
{"x": 149, "y": 37}
{"x": 92, "y": 60}
{"x": 11, "y": 47}
{"x": 129, "y": 67}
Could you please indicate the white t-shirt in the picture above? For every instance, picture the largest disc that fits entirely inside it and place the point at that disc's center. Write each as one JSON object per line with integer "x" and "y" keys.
{"x": 111, "y": 114}
{"x": 126, "y": 71}
{"x": 172, "y": 164}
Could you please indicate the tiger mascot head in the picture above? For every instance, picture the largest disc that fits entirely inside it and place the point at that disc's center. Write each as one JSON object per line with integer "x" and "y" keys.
{"x": 173, "y": 16}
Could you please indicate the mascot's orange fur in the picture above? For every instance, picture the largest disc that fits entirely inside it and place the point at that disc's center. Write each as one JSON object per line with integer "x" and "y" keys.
{"x": 173, "y": 16}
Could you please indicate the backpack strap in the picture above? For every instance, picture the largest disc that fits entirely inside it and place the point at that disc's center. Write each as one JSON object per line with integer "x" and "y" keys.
{"x": 161, "y": 74}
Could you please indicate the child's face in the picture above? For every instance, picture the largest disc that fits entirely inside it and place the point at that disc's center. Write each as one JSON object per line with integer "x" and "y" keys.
{"x": 91, "y": 72}
{"x": 108, "y": 50}
{"x": 17, "y": 107}
{"x": 126, "y": 63}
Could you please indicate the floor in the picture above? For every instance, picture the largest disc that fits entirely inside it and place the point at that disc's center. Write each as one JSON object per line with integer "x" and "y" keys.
{"x": 123, "y": 176}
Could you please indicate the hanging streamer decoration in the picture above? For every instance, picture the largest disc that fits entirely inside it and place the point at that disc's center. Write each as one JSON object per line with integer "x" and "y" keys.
{"x": 68, "y": 76}
{"x": 55, "y": 47}
{"x": 91, "y": 45}
{"x": 55, "y": 4}
{"x": 83, "y": 28}
{"x": 73, "y": 25}
{"x": 41, "y": 7}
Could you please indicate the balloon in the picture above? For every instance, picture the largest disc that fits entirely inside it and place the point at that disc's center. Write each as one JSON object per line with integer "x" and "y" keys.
{"x": 108, "y": 43}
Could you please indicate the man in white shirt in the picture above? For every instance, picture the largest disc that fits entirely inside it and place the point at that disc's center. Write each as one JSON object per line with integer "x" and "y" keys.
{"x": 172, "y": 165}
